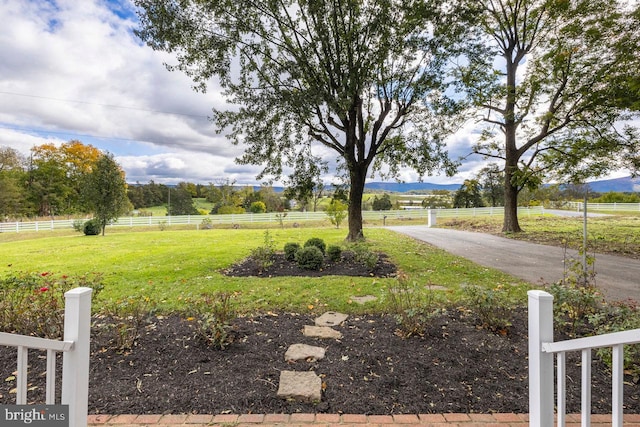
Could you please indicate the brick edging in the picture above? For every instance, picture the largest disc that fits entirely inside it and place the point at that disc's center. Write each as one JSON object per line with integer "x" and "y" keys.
{"x": 453, "y": 419}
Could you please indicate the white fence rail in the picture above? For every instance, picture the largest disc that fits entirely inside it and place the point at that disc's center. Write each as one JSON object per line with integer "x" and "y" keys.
{"x": 541, "y": 352}
{"x": 291, "y": 217}
{"x": 614, "y": 207}
{"x": 75, "y": 359}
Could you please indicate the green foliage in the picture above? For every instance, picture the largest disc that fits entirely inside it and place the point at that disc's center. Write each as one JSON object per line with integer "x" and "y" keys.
{"x": 263, "y": 255}
{"x": 318, "y": 243}
{"x": 310, "y": 258}
{"x": 468, "y": 195}
{"x": 33, "y": 303}
{"x": 105, "y": 191}
{"x": 337, "y": 212}
{"x": 126, "y": 319}
{"x": 92, "y": 227}
{"x": 382, "y": 204}
{"x": 206, "y": 224}
{"x": 617, "y": 317}
{"x": 290, "y": 250}
{"x": 258, "y": 207}
{"x": 280, "y": 216}
{"x": 78, "y": 225}
{"x": 492, "y": 307}
{"x": 334, "y": 252}
{"x": 181, "y": 201}
{"x": 364, "y": 255}
{"x": 317, "y": 73}
{"x": 214, "y": 315}
{"x": 412, "y": 309}
{"x": 573, "y": 304}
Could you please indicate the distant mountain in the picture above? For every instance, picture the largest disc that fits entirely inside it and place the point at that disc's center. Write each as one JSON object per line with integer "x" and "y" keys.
{"x": 621, "y": 185}
{"x": 404, "y": 187}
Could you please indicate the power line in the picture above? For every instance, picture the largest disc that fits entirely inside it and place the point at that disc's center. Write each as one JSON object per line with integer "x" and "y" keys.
{"x": 102, "y": 105}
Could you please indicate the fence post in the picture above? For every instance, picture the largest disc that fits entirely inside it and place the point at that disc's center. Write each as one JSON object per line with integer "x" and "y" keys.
{"x": 75, "y": 363}
{"x": 540, "y": 364}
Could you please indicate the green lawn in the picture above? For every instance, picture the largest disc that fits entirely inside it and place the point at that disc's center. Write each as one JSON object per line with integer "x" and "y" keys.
{"x": 173, "y": 268}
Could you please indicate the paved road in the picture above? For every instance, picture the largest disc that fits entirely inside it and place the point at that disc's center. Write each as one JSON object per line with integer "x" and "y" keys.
{"x": 618, "y": 277}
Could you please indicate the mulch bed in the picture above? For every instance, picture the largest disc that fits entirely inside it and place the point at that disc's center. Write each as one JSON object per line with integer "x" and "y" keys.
{"x": 454, "y": 367}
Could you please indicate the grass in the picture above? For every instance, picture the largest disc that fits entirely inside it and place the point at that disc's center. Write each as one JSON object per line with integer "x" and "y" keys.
{"x": 615, "y": 234}
{"x": 174, "y": 267}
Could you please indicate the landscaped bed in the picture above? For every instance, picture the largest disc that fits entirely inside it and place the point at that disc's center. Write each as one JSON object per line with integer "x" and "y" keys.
{"x": 454, "y": 367}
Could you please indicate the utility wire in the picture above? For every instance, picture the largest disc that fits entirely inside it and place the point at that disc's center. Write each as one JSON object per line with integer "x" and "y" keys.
{"x": 102, "y": 105}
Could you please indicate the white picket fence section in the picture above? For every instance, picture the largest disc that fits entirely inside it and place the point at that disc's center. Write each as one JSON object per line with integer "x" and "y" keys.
{"x": 541, "y": 357}
{"x": 75, "y": 359}
{"x": 613, "y": 207}
{"x": 291, "y": 218}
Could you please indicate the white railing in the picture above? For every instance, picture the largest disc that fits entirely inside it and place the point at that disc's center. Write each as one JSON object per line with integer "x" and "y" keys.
{"x": 75, "y": 359}
{"x": 291, "y": 217}
{"x": 541, "y": 351}
{"x": 620, "y": 207}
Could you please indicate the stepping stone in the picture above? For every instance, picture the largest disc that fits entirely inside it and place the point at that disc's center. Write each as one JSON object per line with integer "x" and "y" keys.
{"x": 303, "y": 386}
{"x": 304, "y": 352}
{"x": 364, "y": 299}
{"x": 331, "y": 318}
{"x": 321, "y": 332}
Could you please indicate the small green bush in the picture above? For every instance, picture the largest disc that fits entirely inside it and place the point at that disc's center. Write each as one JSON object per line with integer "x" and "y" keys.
{"x": 215, "y": 313}
{"x": 365, "y": 256}
{"x": 290, "y": 250}
{"x": 92, "y": 228}
{"x": 334, "y": 252}
{"x": 310, "y": 258}
{"x": 263, "y": 255}
{"x": 317, "y": 242}
{"x": 493, "y": 307}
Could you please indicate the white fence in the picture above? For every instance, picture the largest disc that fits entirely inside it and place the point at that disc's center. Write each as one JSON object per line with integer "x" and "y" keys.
{"x": 541, "y": 351}
{"x": 75, "y": 359}
{"x": 291, "y": 217}
{"x": 613, "y": 207}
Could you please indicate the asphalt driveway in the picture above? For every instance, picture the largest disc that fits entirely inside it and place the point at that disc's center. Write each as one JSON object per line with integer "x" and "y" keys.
{"x": 617, "y": 277}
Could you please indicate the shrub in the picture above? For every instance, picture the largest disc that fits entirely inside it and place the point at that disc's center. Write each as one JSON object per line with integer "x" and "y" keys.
{"x": 337, "y": 212}
{"x": 492, "y": 307}
{"x": 92, "y": 228}
{"x": 128, "y": 316}
{"x": 258, "y": 207}
{"x": 310, "y": 258}
{"x": 334, "y": 252}
{"x": 214, "y": 323}
{"x": 78, "y": 225}
{"x": 206, "y": 224}
{"x": 365, "y": 256}
{"x": 290, "y": 250}
{"x": 317, "y": 242}
{"x": 573, "y": 304}
{"x": 412, "y": 309}
{"x": 33, "y": 303}
{"x": 263, "y": 255}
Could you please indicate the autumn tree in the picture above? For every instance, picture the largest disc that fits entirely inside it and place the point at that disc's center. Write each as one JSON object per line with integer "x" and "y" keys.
{"x": 543, "y": 76}
{"x": 105, "y": 191}
{"x": 359, "y": 79}
{"x": 57, "y": 174}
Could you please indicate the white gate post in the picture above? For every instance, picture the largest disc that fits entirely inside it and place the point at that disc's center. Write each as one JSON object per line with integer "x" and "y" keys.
{"x": 75, "y": 363}
{"x": 540, "y": 364}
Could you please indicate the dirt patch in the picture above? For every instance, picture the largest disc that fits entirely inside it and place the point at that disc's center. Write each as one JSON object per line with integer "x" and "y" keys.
{"x": 454, "y": 367}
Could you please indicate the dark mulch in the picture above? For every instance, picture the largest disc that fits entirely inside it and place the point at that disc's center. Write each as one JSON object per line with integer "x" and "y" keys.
{"x": 347, "y": 266}
{"x": 454, "y": 367}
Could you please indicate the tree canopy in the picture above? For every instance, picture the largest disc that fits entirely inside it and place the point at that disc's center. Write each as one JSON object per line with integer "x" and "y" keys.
{"x": 544, "y": 76}
{"x": 361, "y": 79}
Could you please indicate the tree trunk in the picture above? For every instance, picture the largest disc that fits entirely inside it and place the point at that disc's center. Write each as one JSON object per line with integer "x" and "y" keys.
{"x": 510, "y": 223}
{"x": 357, "y": 178}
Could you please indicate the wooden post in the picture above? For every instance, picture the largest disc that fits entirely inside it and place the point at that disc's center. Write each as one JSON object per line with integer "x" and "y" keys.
{"x": 75, "y": 363}
{"x": 540, "y": 364}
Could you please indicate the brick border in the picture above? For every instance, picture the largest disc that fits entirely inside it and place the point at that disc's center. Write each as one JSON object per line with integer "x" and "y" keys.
{"x": 326, "y": 420}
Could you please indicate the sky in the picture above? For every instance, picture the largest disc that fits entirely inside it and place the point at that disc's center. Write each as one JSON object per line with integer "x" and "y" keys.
{"x": 73, "y": 69}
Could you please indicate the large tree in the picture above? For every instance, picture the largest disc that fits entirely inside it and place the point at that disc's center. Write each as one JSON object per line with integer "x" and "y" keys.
{"x": 544, "y": 74}
{"x": 362, "y": 78}
{"x": 105, "y": 191}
